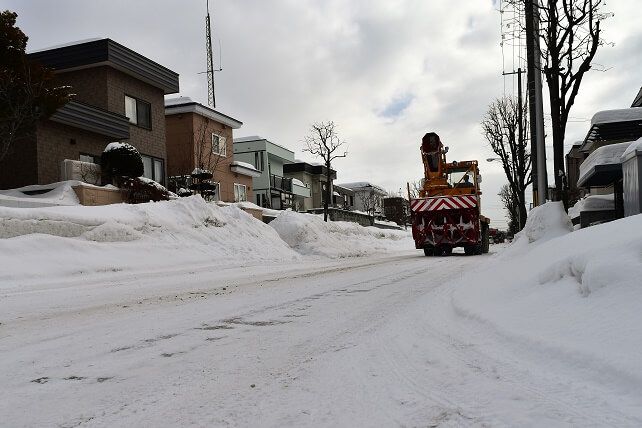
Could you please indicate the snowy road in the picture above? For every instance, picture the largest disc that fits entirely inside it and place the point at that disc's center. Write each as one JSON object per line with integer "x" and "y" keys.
{"x": 370, "y": 341}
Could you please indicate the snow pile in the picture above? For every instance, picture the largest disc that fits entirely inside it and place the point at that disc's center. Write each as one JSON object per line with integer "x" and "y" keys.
{"x": 60, "y": 241}
{"x": 592, "y": 203}
{"x": 572, "y": 296}
{"x": 308, "y": 234}
{"x": 53, "y": 194}
{"x": 544, "y": 222}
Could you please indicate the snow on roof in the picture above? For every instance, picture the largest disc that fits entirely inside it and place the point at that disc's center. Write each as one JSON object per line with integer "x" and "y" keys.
{"x": 634, "y": 149}
{"x": 592, "y": 203}
{"x": 177, "y": 101}
{"x": 619, "y": 115}
{"x": 180, "y": 105}
{"x": 605, "y": 155}
{"x": 249, "y": 138}
{"x": 64, "y": 45}
{"x": 298, "y": 182}
{"x": 245, "y": 165}
{"x": 359, "y": 185}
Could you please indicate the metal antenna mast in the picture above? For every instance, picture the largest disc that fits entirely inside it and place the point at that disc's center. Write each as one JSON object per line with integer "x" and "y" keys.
{"x": 211, "y": 99}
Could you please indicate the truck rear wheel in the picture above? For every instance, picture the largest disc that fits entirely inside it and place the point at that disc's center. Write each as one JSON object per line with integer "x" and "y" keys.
{"x": 429, "y": 251}
{"x": 485, "y": 244}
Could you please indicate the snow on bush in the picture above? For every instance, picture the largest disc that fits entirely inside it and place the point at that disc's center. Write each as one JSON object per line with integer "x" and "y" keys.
{"x": 59, "y": 241}
{"x": 571, "y": 295}
{"x": 308, "y": 234}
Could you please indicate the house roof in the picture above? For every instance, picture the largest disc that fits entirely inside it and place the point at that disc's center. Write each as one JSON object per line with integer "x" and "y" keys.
{"x": 363, "y": 185}
{"x": 614, "y": 125}
{"x": 97, "y": 52}
{"x": 92, "y": 118}
{"x": 181, "y": 105}
{"x": 307, "y": 167}
{"x": 637, "y": 102}
{"x": 258, "y": 138}
{"x": 603, "y": 166}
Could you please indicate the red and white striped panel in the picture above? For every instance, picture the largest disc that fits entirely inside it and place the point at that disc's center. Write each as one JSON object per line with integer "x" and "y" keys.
{"x": 443, "y": 203}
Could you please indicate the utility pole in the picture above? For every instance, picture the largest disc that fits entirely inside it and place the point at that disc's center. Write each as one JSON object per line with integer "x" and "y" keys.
{"x": 520, "y": 133}
{"x": 536, "y": 107}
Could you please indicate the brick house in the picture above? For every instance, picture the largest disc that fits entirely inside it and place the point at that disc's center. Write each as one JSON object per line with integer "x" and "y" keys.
{"x": 201, "y": 137}
{"x": 119, "y": 96}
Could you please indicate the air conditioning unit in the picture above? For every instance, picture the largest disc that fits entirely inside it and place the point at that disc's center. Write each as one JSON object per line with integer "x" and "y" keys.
{"x": 86, "y": 172}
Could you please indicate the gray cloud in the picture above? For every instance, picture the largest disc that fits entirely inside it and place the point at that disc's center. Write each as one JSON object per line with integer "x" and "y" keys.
{"x": 288, "y": 63}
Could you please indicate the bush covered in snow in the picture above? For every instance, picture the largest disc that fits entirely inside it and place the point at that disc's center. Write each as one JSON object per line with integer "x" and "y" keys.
{"x": 120, "y": 160}
{"x": 140, "y": 190}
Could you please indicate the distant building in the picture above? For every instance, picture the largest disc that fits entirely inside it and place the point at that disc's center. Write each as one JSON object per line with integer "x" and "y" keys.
{"x": 368, "y": 197}
{"x": 118, "y": 97}
{"x": 271, "y": 189}
{"x": 201, "y": 137}
{"x": 314, "y": 178}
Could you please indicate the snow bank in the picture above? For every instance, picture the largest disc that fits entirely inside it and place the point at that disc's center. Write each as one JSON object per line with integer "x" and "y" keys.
{"x": 544, "y": 222}
{"x": 592, "y": 203}
{"x": 572, "y": 296}
{"x": 60, "y": 241}
{"x": 309, "y": 235}
{"x": 53, "y": 194}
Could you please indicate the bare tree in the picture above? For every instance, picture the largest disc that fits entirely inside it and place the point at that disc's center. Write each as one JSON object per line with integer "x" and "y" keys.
{"x": 369, "y": 200}
{"x": 324, "y": 142}
{"x": 571, "y": 36}
{"x": 415, "y": 187}
{"x": 501, "y": 128}
{"x": 510, "y": 203}
{"x": 201, "y": 153}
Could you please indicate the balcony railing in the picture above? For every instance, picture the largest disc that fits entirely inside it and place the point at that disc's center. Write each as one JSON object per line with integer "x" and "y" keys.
{"x": 281, "y": 183}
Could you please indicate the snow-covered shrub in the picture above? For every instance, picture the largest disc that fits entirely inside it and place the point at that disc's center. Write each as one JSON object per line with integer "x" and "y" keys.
{"x": 120, "y": 160}
{"x": 139, "y": 190}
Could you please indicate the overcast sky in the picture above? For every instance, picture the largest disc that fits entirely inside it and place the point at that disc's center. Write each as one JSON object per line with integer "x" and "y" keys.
{"x": 385, "y": 71}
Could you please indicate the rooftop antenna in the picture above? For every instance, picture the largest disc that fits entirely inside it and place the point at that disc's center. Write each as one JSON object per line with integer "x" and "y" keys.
{"x": 211, "y": 99}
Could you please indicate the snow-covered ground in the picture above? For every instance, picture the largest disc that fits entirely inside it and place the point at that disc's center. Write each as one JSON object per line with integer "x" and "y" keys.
{"x": 183, "y": 312}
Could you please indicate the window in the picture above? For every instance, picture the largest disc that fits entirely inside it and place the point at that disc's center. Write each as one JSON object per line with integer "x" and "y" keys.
{"x": 216, "y": 194}
{"x": 240, "y": 192}
{"x": 218, "y": 145}
{"x": 154, "y": 168}
{"x": 138, "y": 112}
{"x": 258, "y": 160}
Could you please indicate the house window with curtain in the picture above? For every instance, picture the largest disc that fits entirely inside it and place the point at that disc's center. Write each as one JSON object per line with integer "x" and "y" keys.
{"x": 138, "y": 112}
{"x": 240, "y": 192}
{"x": 218, "y": 145}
